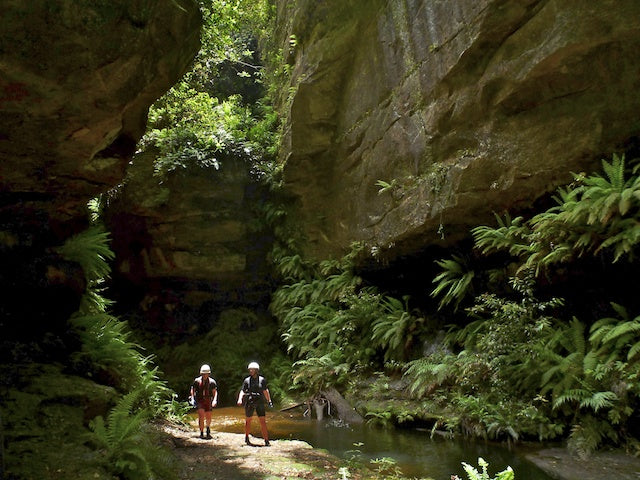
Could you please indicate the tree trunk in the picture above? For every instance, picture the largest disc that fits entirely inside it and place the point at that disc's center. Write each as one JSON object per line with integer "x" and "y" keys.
{"x": 345, "y": 411}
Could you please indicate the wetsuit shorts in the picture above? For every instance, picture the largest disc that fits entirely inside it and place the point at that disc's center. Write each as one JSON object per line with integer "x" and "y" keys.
{"x": 258, "y": 406}
{"x": 204, "y": 404}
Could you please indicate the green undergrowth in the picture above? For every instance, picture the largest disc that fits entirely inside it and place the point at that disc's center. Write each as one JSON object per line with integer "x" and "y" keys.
{"x": 542, "y": 342}
{"x": 238, "y": 337}
{"x": 46, "y": 405}
{"x": 91, "y": 402}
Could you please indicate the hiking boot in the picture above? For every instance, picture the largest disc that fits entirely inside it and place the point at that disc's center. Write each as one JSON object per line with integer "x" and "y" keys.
{"x": 246, "y": 440}
{"x": 266, "y": 443}
{"x": 208, "y": 437}
{"x": 201, "y": 434}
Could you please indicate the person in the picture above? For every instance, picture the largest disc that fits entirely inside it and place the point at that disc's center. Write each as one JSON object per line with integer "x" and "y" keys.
{"x": 204, "y": 394}
{"x": 253, "y": 395}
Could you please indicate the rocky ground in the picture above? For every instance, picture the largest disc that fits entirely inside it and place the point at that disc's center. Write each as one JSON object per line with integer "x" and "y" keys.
{"x": 226, "y": 457}
{"x": 613, "y": 465}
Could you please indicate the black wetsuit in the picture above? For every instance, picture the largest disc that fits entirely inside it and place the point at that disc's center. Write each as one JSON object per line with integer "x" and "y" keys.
{"x": 253, "y": 398}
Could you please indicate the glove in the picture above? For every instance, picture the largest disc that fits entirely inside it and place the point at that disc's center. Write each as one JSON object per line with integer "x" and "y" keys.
{"x": 192, "y": 401}
{"x": 270, "y": 404}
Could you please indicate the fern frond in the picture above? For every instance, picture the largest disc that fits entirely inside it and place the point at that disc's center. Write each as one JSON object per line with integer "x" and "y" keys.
{"x": 623, "y": 329}
{"x": 575, "y": 395}
{"x": 423, "y": 374}
{"x": 91, "y": 250}
{"x": 599, "y": 400}
{"x": 455, "y": 279}
{"x": 510, "y": 235}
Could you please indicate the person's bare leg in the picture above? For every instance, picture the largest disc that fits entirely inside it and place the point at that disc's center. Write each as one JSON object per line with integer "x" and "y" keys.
{"x": 207, "y": 416}
{"x": 247, "y": 430}
{"x": 263, "y": 427}
{"x": 201, "y": 421}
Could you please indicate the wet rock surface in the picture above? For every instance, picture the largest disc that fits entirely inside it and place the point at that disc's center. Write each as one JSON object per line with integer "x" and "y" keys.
{"x": 560, "y": 464}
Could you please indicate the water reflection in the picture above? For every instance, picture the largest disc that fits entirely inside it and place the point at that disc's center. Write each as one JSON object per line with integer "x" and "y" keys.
{"x": 416, "y": 453}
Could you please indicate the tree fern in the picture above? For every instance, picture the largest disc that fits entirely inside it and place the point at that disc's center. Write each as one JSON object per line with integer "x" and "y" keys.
{"x": 599, "y": 400}
{"x": 338, "y": 285}
{"x": 612, "y": 195}
{"x": 597, "y": 213}
{"x": 93, "y": 301}
{"x": 91, "y": 250}
{"x": 623, "y": 239}
{"x": 315, "y": 374}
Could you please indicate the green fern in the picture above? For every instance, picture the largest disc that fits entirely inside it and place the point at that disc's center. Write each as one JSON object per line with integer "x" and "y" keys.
{"x": 425, "y": 374}
{"x": 394, "y": 330}
{"x": 511, "y": 235}
{"x": 564, "y": 358}
{"x": 617, "y": 338}
{"x": 386, "y": 186}
{"x": 600, "y": 213}
{"x": 455, "y": 279}
{"x": 588, "y": 435}
{"x": 129, "y": 451}
{"x": 474, "y": 474}
{"x": 106, "y": 341}
{"x": 91, "y": 250}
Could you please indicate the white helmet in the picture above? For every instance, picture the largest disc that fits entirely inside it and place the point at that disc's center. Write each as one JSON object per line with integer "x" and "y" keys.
{"x": 253, "y": 365}
{"x": 205, "y": 369}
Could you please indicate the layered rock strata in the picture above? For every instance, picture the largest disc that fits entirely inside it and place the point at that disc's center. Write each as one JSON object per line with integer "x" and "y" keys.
{"x": 411, "y": 121}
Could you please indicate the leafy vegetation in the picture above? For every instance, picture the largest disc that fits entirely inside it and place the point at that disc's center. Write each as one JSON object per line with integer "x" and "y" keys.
{"x": 517, "y": 363}
{"x": 521, "y": 369}
{"x": 596, "y": 214}
{"x": 474, "y": 474}
{"x": 217, "y": 112}
{"x": 108, "y": 356}
{"x": 126, "y": 443}
{"x": 333, "y": 325}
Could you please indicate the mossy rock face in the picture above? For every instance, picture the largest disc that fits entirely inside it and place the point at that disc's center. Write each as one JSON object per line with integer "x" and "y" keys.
{"x": 78, "y": 78}
{"x": 459, "y": 103}
{"x": 45, "y": 418}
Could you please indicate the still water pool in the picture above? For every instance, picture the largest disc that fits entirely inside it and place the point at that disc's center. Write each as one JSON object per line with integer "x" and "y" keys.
{"x": 413, "y": 450}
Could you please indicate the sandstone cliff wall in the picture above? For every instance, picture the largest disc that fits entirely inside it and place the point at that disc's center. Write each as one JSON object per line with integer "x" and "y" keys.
{"x": 411, "y": 121}
{"x": 76, "y": 80}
